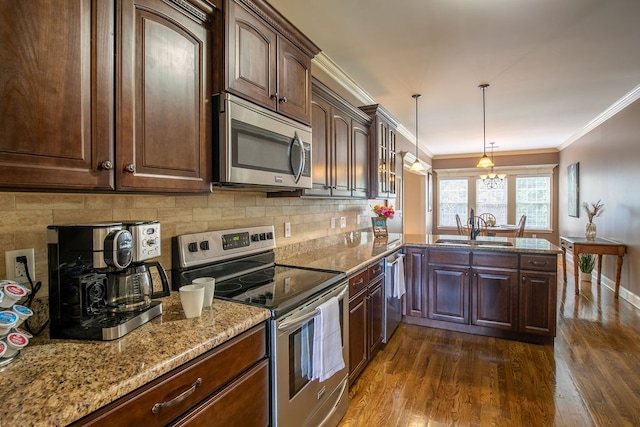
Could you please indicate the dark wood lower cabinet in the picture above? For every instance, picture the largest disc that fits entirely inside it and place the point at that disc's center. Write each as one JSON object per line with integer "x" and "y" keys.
{"x": 366, "y": 317}
{"x": 228, "y": 385}
{"x": 502, "y": 294}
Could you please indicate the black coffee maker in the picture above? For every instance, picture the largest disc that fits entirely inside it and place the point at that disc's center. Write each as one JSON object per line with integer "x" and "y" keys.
{"x": 100, "y": 283}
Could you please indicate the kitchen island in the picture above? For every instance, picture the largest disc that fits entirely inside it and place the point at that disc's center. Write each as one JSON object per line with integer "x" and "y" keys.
{"x": 56, "y": 382}
{"x": 495, "y": 286}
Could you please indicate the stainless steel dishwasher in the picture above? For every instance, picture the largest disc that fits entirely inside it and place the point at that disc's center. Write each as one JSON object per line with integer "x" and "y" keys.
{"x": 394, "y": 289}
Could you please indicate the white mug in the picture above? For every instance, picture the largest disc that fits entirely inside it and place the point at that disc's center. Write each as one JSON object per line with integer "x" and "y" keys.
{"x": 191, "y": 297}
{"x": 209, "y": 288}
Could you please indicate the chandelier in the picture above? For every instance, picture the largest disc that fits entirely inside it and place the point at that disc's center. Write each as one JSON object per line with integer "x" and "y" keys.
{"x": 492, "y": 180}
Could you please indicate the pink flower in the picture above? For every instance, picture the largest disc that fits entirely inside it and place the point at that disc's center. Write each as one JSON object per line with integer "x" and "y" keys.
{"x": 384, "y": 211}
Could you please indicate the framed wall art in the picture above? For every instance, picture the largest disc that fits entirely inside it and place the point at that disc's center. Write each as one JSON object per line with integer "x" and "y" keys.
{"x": 573, "y": 190}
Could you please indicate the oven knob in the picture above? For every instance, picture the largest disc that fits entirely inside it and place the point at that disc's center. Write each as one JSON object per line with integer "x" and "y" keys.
{"x": 193, "y": 247}
{"x": 263, "y": 236}
{"x": 269, "y": 235}
{"x": 204, "y": 245}
{"x": 255, "y": 237}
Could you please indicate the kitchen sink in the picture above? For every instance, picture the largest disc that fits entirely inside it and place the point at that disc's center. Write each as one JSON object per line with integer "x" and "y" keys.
{"x": 474, "y": 242}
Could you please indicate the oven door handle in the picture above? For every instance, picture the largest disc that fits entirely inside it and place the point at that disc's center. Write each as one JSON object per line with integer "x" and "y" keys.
{"x": 301, "y": 320}
{"x": 394, "y": 262}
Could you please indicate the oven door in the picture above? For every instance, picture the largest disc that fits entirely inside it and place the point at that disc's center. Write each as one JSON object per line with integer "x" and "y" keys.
{"x": 256, "y": 146}
{"x": 298, "y": 400}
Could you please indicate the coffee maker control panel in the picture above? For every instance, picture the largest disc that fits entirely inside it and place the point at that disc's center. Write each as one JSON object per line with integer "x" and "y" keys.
{"x": 146, "y": 240}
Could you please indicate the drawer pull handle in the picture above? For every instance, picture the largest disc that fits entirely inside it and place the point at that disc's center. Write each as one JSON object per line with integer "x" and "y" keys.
{"x": 539, "y": 263}
{"x": 359, "y": 282}
{"x": 179, "y": 398}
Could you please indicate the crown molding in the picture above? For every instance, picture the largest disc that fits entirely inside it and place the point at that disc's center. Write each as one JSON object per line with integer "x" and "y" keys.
{"x": 614, "y": 109}
{"x": 326, "y": 64}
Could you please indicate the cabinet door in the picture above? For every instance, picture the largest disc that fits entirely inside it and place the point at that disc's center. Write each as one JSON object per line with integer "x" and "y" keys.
{"x": 321, "y": 157}
{"x": 449, "y": 293}
{"x": 252, "y": 56}
{"x": 494, "y": 298}
{"x": 357, "y": 335}
{"x": 391, "y": 153}
{"x": 163, "y": 102}
{"x": 538, "y": 303}
{"x": 341, "y": 125}
{"x": 294, "y": 81}
{"x": 56, "y": 86}
{"x": 360, "y": 163}
{"x": 375, "y": 307}
{"x": 416, "y": 282}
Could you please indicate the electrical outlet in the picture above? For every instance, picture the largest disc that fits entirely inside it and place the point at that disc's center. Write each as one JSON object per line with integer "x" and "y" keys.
{"x": 343, "y": 222}
{"x": 16, "y": 270}
{"x": 358, "y": 219}
{"x": 287, "y": 229}
{"x": 333, "y": 223}
{"x": 534, "y": 236}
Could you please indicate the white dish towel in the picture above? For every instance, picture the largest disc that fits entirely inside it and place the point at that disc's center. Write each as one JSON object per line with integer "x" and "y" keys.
{"x": 400, "y": 287}
{"x": 327, "y": 341}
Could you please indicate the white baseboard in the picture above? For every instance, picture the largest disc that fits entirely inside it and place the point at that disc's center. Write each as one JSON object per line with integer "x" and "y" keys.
{"x": 624, "y": 293}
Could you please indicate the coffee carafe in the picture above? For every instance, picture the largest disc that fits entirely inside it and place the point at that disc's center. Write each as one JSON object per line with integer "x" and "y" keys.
{"x": 100, "y": 282}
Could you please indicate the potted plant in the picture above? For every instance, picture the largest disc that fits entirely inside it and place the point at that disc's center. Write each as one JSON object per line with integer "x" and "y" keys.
{"x": 586, "y": 263}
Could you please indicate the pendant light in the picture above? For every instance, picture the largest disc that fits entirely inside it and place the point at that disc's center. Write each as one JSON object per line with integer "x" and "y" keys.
{"x": 417, "y": 167}
{"x": 492, "y": 180}
{"x": 485, "y": 161}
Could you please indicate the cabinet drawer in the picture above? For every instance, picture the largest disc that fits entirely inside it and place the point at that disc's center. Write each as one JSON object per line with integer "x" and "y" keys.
{"x": 376, "y": 270}
{"x": 449, "y": 257}
{"x": 538, "y": 262}
{"x": 495, "y": 259}
{"x": 243, "y": 403}
{"x": 358, "y": 282}
{"x": 215, "y": 369}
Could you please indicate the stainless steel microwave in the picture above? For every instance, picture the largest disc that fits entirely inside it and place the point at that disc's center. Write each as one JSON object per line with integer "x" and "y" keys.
{"x": 255, "y": 147}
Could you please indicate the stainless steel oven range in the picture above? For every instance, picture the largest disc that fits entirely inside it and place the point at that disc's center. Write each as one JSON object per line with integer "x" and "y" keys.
{"x": 243, "y": 264}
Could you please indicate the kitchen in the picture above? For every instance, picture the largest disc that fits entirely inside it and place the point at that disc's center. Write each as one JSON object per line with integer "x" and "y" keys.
{"x": 27, "y": 214}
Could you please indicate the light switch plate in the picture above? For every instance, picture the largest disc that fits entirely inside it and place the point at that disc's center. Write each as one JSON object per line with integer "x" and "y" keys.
{"x": 333, "y": 223}
{"x": 287, "y": 229}
{"x": 343, "y": 222}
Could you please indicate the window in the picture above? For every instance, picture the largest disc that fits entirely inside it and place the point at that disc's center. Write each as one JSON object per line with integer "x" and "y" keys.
{"x": 533, "y": 199}
{"x": 492, "y": 201}
{"x": 526, "y": 190}
{"x": 453, "y": 196}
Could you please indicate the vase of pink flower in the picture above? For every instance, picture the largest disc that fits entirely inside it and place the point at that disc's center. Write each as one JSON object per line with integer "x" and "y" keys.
{"x": 379, "y": 222}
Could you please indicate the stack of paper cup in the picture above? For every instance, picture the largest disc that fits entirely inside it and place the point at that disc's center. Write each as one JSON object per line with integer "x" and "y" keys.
{"x": 209, "y": 288}
{"x": 192, "y": 297}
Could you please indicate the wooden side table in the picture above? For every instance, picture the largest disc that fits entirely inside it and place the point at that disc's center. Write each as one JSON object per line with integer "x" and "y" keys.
{"x": 599, "y": 246}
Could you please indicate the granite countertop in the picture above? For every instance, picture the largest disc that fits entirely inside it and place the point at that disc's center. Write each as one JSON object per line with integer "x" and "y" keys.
{"x": 354, "y": 252}
{"x": 484, "y": 243}
{"x": 55, "y": 382}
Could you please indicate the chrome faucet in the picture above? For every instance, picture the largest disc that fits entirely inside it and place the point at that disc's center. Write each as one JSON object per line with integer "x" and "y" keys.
{"x": 473, "y": 231}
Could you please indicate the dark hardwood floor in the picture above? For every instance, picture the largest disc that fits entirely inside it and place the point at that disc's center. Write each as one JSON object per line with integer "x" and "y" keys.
{"x": 589, "y": 377}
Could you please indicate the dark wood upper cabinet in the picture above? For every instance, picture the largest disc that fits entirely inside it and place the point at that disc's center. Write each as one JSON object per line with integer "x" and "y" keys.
{"x": 57, "y": 91}
{"x": 340, "y": 149}
{"x": 82, "y": 113}
{"x": 163, "y": 102}
{"x": 383, "y": 183}
{"x": 268, "y": 60}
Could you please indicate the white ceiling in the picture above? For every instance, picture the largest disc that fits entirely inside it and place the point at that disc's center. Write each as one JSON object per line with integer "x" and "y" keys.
{"x": 553, "y": 65}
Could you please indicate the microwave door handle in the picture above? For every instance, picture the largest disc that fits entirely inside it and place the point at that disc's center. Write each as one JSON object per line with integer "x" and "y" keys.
{"x": 298, "y": 166}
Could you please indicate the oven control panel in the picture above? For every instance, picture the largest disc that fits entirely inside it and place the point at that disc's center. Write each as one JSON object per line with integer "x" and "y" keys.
{"x": 212, "y": 246}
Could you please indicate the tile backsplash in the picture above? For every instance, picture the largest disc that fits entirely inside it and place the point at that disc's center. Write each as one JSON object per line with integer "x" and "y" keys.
{"x": 26, "y": 216}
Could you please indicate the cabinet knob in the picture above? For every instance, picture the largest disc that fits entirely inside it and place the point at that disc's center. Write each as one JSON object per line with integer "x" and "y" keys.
{"x": 282, "y": 100}
{"x": 274, "y": 96}
{"x": 131, "y": 168}
{"x": 106, "y": 165}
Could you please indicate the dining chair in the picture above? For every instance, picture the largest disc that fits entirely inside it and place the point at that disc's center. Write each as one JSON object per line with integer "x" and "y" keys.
{"x": 489, "y": 218}
{"x": 461, "y": 228}
{"x": 520, "y": 231}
